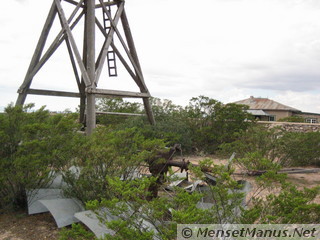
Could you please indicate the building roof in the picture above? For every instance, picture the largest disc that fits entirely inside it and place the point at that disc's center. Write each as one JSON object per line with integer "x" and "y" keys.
{"x": 258, "y": 112}
{"x": 265, "y": 104}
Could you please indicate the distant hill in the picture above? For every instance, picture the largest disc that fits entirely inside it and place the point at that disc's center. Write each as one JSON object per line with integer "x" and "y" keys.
{"x": 2, "y": 109}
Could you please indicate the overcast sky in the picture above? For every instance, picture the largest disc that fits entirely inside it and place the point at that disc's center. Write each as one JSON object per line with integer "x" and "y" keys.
{"x": 228, "y": 50}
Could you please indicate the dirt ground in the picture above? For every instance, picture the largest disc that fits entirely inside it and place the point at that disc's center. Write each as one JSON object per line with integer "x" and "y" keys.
{"x": 20, "y": 226}
{"x": 301, "y": 180}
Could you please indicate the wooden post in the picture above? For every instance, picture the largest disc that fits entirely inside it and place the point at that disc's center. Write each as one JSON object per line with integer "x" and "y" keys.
{"x": 90, "y": 40}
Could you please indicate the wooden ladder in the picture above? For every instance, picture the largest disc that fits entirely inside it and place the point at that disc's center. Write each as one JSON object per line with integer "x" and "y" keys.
{"x": 111, "y": 56}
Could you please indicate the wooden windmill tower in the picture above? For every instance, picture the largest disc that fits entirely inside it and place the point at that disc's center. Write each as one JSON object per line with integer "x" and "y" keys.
{"x": 88, "y": 67}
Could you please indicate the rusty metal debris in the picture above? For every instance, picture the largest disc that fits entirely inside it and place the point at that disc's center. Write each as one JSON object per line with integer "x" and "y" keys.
{"x": 67, "y": 210}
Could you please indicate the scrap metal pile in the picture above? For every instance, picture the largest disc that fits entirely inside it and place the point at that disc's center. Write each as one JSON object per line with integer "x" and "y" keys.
{"x": 69, "y": 210}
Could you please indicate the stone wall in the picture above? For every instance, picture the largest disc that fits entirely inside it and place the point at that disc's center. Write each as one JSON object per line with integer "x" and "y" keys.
{"x": 294, "y": 127}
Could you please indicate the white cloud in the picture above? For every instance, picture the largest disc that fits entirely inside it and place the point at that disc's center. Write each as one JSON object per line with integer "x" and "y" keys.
{"x": 306, "y": 102}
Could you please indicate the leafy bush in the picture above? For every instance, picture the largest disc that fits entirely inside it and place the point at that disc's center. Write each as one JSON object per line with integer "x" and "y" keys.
{"x": 171, "y": 124}
{"x": 291, "y": 206}
{"x": 33, "y": 144}
{"x": 300, "y": 149}
{"x": 76, "y": 232}
{"x": 292, "y": 119}
{"x": 254, "y": 161}
{"x": 130, "y": 204}
{"x": 201, "y": 126}
{"x": 107, "y": 153}
{"x": 213, "y": 123}
{"x": 257, "y": 139}
{"x": 277, "y": 145}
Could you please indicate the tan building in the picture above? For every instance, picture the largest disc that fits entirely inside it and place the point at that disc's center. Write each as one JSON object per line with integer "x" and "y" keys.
{"x": 265, "y": 109}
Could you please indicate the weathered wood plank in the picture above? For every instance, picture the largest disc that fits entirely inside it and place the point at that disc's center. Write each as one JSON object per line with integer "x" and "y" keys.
{"x": 73, "y": 63}
{"x": 73, "y": 2}
{"x": 117, "y": 93}
{"x": 69, "y": 48}
{"x": 52, "y": 93}
{"x": 121, "y": 114}
{"x": 133, "y": 51}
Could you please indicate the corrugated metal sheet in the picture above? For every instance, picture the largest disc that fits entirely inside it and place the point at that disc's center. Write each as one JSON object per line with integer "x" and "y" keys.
{"x": 265, "y": 104}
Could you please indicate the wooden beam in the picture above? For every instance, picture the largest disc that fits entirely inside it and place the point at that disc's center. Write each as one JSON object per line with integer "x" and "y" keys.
{"x": 52, "y": 93}
{"x": 37, "y": 55}
{"x": 121, "y": 114}
{"x": 73, "y": 44}
{"x": 117, "y": 93}
{"x": 54, "y": 46}
{"x": 144, "y": 89}
{"x": 123, "y": 61}
{"x": 100, "y": 54}
{"x": 132, "y": 59}
{"x": 108, "y": 40}
{"x": 73, "y": 2}
{"x": 73, "y": 62}
{"x": 133, "y": 51}
{"x": 83, "y": 98}
{"x": 121, "y": 58}
{"x": 100, "y": 94}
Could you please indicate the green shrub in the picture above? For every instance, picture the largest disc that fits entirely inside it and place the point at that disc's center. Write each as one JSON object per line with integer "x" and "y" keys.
{"x": 300, "y": 149}
{"x": 254, "y": 161}
{"x": 292, "y": 119}
{"x": 200, "y": 127}
{"x": 277, "y": 145}
{"x": 171, "y": 124}
{"x": 130, "y": 204}
{"x": 107, "y": 153}
{"x": 33, "y": 144}
{"x": 291, "y": 206}
{"x": 213, "y": 123}
{"x": 258, "y": 139}
{"x": 76, "y": 232}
